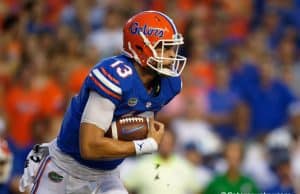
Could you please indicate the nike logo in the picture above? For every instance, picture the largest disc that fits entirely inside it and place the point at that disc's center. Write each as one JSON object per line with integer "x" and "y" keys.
{"x": 141, "y": 146}
{"x": 128, "y": 131}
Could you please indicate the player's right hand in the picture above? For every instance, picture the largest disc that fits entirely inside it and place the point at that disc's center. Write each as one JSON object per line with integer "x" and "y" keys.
{"x": 156, "y": 130}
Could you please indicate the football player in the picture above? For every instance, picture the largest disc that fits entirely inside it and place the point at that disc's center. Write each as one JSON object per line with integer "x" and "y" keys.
{"x": 140, "y": 81}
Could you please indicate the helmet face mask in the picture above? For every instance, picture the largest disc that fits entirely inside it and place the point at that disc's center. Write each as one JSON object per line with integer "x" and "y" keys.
{"x": 167, "y": 64}
{"x": 151, "y": 39}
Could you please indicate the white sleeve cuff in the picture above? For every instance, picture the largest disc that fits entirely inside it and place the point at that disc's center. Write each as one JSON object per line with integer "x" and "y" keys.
{"x": 98, "y": 111}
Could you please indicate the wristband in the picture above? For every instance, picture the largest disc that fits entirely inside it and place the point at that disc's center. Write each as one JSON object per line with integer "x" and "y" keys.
{"x": 145, "y": 146}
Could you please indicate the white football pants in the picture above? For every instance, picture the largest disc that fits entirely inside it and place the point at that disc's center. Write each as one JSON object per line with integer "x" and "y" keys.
{"x": 52, "y": 180}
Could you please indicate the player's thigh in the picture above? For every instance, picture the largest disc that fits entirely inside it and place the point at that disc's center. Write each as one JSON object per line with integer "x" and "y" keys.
{"x": 50, "y": 180}
{"x": 110, "y": 184}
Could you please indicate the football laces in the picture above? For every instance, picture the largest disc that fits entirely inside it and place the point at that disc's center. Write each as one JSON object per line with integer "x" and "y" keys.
{"x": 131, "y": 120}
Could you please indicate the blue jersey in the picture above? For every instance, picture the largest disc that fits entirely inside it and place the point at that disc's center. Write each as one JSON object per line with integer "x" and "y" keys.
{"x": 116, "y": 79}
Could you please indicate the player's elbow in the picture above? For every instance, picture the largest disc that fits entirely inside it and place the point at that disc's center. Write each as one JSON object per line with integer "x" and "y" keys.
{"x": 86, "y": 142}
{"x": 90, "y": 151}
{"x": 85, "y": 151}
{"x": 91, "y": 142}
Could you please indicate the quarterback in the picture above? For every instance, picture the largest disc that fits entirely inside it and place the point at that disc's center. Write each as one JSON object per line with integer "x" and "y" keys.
{"x": 139, "y": 81}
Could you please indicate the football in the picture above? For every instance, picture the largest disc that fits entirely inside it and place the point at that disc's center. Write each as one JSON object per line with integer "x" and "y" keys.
{"x": 129, "y": 128}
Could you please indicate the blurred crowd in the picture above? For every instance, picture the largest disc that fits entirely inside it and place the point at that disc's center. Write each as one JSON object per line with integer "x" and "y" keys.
{"x": 235, "y": 127}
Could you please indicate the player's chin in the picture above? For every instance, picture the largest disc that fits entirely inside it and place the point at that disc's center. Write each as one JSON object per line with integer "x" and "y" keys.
{"x": 167, "y": 63}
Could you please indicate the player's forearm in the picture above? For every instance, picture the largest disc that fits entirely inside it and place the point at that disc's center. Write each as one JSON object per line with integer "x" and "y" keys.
{"x": 110, "y": 148}
{"x": 94, "y": 146}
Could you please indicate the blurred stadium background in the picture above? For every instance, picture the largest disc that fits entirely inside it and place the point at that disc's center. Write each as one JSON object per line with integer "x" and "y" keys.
{"x": 235, "y": 126}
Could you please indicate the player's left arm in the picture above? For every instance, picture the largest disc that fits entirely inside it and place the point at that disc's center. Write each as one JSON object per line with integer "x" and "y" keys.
{"x": 93, "y": 144}
{"x": 96, "y": 119}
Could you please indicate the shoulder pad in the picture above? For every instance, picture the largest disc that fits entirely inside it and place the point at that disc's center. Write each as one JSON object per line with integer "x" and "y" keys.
{"x": 110, "y": 78}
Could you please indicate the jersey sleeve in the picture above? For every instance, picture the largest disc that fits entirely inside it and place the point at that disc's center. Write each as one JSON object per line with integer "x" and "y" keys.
{"x": 104, "y": 80}
{"x": 95, "y": 106}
